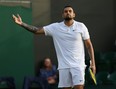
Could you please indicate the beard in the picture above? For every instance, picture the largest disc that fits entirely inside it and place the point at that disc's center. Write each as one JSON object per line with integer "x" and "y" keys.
{"x": 68, "y": 19}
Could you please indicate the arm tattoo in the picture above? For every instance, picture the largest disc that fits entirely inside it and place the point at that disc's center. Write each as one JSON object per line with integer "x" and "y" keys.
{"x": 30, "y": 28}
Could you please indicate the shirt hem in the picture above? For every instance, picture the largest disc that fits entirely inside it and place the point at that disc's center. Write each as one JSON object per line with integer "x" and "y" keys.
{"x": 73, "y": 67}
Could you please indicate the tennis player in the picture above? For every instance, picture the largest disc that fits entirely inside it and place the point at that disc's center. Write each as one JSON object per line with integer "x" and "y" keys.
{"x": 69, "y": 37}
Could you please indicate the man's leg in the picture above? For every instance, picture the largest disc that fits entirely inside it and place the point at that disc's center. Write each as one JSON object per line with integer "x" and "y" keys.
{"x": 78, "y": 77}
{"x": 76, "y": 87}
{"x": 79, "y": 87}
{"x": 67, "y": 88}
{"x": 65, "y": 79}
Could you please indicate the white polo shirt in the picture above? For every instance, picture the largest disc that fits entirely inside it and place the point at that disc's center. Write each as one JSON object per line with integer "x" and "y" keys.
{"x": 68, "y": 43}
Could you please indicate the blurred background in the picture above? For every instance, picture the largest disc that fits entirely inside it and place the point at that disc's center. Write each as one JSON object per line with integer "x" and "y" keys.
{"x": 21, "y": 51}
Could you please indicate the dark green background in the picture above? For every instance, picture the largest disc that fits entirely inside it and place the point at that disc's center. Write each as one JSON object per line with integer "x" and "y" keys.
{"x": 16, "y": 45}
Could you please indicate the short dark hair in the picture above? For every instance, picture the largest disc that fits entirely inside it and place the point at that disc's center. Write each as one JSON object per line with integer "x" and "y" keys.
{"x": 67, "y": 6}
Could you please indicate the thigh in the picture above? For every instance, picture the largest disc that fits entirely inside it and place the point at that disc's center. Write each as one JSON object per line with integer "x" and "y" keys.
{"x": 65, "y": 79}
{"x": 79, "y": 87}
{"x": 78, "y": 76}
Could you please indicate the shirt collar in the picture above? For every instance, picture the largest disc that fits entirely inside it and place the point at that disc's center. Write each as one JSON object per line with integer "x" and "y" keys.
{"x": 69, "y": 26}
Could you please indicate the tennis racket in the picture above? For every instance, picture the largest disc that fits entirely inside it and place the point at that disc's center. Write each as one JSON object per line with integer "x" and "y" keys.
{"x": 92, "y": 76}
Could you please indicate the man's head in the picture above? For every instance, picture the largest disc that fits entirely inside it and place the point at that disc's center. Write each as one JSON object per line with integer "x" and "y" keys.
{"x": 68, "y": 13}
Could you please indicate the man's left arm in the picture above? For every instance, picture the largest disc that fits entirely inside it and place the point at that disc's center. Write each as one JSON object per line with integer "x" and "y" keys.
{"x": 90, "y": 49}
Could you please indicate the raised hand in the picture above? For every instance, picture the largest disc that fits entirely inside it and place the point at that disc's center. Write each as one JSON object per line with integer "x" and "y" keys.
{"x": 17, "y": 19}
{"x": 30, "y": 28}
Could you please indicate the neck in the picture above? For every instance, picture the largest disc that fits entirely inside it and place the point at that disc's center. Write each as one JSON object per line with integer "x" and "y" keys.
{"x": 69, "y": 22}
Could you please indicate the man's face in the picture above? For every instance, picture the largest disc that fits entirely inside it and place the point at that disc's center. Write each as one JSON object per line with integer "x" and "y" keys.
{"x": 68, "y": 13}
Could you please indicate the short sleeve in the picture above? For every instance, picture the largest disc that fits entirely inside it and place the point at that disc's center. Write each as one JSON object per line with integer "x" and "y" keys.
{"x": 85, "y": 33}
{"x": 49, "y": 29}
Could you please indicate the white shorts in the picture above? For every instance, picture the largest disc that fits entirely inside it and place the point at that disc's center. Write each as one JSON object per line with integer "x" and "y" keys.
{"x": 70, "y": 77}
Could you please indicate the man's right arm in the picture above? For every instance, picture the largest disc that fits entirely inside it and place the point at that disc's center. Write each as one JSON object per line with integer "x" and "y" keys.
{"x": 33, "y": 29}
{"x": 30, "y": 28}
